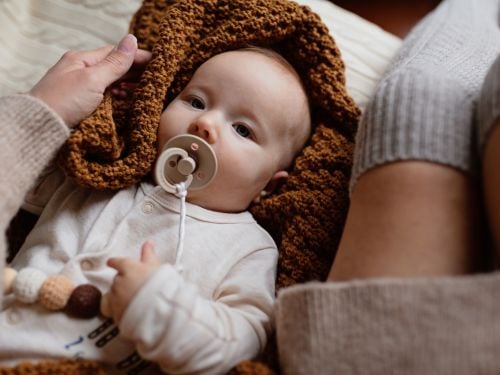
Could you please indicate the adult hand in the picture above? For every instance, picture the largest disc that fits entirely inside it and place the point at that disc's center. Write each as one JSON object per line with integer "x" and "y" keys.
{"x": 75, "y": 85}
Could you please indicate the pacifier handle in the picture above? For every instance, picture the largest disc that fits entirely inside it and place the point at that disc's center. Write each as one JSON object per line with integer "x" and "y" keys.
{"x": 185, "y": 158}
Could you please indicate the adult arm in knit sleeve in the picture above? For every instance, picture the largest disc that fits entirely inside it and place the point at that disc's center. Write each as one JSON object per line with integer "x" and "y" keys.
{"x": 414, "y": 209}
{"x": 423, "y": 112}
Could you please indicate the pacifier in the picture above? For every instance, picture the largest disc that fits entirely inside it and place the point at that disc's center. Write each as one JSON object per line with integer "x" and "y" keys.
{"x": 185, "y": 158}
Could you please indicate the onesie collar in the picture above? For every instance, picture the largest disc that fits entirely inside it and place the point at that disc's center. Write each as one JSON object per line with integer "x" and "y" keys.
{"x": 171, "y": 202}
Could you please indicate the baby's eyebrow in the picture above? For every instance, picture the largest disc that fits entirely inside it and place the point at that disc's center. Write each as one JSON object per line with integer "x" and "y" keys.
{"x": 199, "y": 86}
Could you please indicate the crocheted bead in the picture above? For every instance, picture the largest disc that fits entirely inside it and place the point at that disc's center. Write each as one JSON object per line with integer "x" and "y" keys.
{"x": 55, "y": 292}
{"x": 9, "y": 274}
{"x": 84, "y": 301}
{"x": 27, "y": 284}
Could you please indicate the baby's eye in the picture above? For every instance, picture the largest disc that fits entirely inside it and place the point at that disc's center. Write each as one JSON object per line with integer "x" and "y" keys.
{"x": 242, "y": 130}
{"x": 197, "y": 103}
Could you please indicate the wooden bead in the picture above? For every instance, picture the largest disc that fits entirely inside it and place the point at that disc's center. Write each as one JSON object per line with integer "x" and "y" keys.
{"x": 55, "y": 292}
{"x": 84, "y": 301}
{"x": 9, "y": 274}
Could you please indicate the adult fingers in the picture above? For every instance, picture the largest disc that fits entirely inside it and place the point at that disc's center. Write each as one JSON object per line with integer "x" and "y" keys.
{"x": 95, "y": 56}
{"x": 92, "y": 57}
{"x": 117, "y": 62}
{"x": 141, "y": 57}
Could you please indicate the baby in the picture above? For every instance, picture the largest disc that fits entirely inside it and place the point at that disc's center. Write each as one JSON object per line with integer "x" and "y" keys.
{"x": 250, "y": 107}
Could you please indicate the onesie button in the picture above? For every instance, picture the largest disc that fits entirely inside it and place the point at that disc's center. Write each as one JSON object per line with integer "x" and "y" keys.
{"x": 147, "y": 207}
{"x": 86, "y": 265}
{"x": 13, "y": 316}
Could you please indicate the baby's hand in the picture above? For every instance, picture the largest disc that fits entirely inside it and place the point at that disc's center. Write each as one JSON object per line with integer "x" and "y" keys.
{"x": 131, "y": 276}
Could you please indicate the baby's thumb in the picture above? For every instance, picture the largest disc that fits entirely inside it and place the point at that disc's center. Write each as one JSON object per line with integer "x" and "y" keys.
{"x": 148, "y": 254}
{"x": 117, "y": 62}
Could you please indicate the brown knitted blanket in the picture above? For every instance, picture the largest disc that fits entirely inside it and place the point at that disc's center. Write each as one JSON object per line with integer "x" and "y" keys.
{"x": 116, "y": 146}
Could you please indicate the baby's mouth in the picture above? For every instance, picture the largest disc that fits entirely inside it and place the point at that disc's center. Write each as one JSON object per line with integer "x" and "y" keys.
{"x": 185, "y": 159}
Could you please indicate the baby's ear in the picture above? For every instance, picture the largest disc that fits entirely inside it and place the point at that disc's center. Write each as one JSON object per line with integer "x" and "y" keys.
{"x": 276, "y": 181}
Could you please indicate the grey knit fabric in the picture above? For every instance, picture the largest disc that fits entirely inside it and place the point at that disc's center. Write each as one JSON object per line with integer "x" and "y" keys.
{"x": 445, "y": 326}
{"x": 423, "y": 109}
{"x": 489, "y": 103}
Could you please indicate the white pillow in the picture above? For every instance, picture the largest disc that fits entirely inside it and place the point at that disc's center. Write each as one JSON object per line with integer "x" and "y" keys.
{"x": 366, "y": 49}
{"x": 34, "y": 34}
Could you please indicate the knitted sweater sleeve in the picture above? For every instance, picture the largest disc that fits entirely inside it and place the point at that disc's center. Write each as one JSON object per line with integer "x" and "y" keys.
{"x": 31, "y": 133}
{"x": 423, "y": 108}
{"x": 445, "y": 325}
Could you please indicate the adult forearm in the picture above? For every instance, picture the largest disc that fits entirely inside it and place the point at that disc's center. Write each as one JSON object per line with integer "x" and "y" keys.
{"x": 414, "y": 203}
{"x": 30, "y": 135}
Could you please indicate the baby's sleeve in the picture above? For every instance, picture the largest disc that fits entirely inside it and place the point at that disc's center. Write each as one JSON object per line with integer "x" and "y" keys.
{"x": 176, "y": 327}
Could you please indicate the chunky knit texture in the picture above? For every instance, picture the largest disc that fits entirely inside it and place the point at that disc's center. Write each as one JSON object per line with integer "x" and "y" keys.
{"x": 66, "y": 367}
{"x": 116, "y": 146}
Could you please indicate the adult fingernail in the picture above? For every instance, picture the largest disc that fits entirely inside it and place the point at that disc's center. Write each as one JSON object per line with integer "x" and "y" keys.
{"x": 128, "y": 44}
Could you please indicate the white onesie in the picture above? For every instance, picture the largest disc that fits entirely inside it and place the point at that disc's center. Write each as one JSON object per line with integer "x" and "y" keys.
{"x": 218, "y": 312}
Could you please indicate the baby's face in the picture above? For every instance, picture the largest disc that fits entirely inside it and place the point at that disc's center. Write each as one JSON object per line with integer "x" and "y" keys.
{"x": 254, "y": 114}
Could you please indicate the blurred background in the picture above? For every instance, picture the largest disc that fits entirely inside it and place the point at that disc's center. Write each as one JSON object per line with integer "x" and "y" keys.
{"x": 397, "y": 17}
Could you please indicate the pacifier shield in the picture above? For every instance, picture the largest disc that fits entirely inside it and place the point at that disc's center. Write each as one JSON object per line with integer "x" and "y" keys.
{"x": 185, "y": 158}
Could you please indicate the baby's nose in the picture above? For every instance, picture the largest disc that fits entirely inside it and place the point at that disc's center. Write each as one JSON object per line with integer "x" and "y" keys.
{"x": 204, "y": 127}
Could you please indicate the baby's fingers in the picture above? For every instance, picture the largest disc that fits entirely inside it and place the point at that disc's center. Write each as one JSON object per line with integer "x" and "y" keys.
{"x": 148, "y": 254}
{"x": 119, "y": 264}
{"x": 106, "y": 306}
